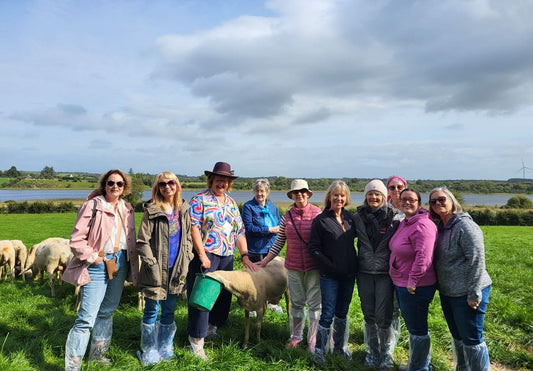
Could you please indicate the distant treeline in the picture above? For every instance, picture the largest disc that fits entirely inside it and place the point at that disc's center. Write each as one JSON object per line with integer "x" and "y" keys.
{"x": 48, "y": 178}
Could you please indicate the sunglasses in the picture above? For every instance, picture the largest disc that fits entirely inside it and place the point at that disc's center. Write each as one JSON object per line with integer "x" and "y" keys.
{"x": 409, "y": 199}
{"x": 302, "y": 191}
{"x": 396, "y": 187}
{"x": 440, "y": 199}
{"x": 170, "y": 183}
{"x": 119, "y": 184}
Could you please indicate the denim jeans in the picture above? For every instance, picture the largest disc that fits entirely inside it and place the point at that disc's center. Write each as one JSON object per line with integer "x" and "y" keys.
{"x": 336, "y": 298}
{"x": 415, "y": 308}
{"x": 465, "y": 323}
{"x": 99, "y": 299}
{"x": 167, "y": 306}
{"x": 197, "y": 320}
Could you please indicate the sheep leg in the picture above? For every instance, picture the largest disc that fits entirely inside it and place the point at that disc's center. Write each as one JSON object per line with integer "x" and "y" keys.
{"x": 51, "y": 279}
{"x": 259, "y": 320}
{"x": 246, "y": 328}
{"x": 288, "y": 304}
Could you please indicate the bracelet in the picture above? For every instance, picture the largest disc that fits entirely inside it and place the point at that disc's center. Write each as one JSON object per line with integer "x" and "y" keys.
{"x": 243, "y": 255}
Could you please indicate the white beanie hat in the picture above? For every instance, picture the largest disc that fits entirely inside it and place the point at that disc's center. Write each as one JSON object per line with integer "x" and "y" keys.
{"x": 376, "y": 185}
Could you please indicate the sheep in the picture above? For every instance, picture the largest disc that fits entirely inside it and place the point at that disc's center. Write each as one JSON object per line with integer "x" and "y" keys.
{"x": 21, "y": 253}
{"x": 52, "y": 255}
{"x": 254, "y": 289}
{"x": 7, "y": 257}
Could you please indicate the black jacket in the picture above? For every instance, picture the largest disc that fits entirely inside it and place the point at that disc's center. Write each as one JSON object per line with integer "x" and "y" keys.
{"x": 332, "y": 247}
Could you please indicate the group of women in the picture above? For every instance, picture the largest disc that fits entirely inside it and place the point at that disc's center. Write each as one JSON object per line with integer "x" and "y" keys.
{"x": 404, "y": 254}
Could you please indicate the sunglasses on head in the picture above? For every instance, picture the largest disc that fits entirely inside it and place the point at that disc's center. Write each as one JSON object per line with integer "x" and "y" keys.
{"x": 119, "y": 184}
{"x": 396, "y": 187}
{"x": 440, "y": 199}
{"x": 170, "y": 183}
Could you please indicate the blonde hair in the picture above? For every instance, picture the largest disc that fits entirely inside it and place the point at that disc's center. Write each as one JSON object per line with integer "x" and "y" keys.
{"x": 157, "y": 197}
{"x": 336, "y": 184}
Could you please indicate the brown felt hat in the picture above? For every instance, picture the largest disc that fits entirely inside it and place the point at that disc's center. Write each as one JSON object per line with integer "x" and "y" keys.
{"x": 223, "y": 169}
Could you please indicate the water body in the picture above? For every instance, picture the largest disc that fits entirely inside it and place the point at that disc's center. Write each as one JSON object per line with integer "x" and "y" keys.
{"x": 239, "y": 196}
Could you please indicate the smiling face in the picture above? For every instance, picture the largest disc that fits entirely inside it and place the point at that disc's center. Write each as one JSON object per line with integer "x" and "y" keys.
{"x": 374, "y": 199}
{"x": 300, "y": 197}
{"x": 114, "y": 187}
{"x": 394, "y": 189}
{"x": 167, "y": 187}
{"x": 220, "y": 185}
{"x": 337, "y": 199}
{"x": 261, "y": 194}
{"x": 409, "y": 203}
{"x": 440, "y": 204}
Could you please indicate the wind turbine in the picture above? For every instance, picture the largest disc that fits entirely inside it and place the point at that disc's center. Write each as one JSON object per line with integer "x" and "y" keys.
{"x": 523, "y": 169}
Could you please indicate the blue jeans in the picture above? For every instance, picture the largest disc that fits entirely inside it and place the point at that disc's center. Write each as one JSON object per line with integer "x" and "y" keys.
{"x": 197, "y": 320}
{"x": 465, "y": 323}
{"x": 99, "y": 299}
{"x": 336, "y": 298}
{"x": 415, "y": 307}
{"x": 168, "y": 307}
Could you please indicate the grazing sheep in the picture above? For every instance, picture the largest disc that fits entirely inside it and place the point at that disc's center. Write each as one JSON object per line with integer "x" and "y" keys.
{"x": 7, "y": 257}
{"x": 21, "y": 253}
{"x": 254, "y": 289}
{"x": 51, "y": 255}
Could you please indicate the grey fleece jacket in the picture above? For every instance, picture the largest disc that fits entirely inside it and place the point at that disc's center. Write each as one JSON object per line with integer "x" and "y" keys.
{"x": 459, "y": 258}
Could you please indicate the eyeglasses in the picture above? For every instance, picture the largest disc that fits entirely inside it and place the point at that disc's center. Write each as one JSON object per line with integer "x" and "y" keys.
{"x": 119, "y": 184}
{"x": 441, "y": 200}
{"x": 170, "y": 183}
{"x": 409, "y": 199}
{"x": 396, "y": 187}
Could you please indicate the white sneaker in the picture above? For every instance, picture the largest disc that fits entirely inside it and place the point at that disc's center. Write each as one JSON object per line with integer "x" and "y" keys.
{"x": 275, "y": 308}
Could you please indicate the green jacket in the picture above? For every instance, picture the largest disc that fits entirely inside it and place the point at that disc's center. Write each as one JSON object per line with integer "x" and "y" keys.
{"x": 152, "y": 246}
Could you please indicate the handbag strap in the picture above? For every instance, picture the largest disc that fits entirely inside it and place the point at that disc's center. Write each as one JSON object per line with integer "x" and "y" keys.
{"x": 117, "y": 237}
{"x": 294, "y": 226}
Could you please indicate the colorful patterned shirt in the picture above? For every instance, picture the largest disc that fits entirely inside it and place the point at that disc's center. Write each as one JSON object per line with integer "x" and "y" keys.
{"x": 174, "y": 231}
{"x": 220, "y": 224}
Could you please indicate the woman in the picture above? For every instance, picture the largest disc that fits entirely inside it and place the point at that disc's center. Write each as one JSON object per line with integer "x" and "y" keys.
{"x": 413, "y": 275}
{"x": 103, "y": 244}
{"x": 164, "y": 245}
{"x": 375, "y": 223}
{"x": 304, "y": 278}
{"x": 332, "y": 246}
{"x": 261, "y": 224}
{"x": 464, "y": 284}
{"x": 216, "y": 230}
{"x": 395, "y": 186}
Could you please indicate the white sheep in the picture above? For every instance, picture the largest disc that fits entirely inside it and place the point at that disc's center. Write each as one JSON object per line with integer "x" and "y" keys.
{"x": 21, "y": 253}
{"x": 254, "y": 289}
{"x": 7, "y": 257}
{"x": 51, "y": 255}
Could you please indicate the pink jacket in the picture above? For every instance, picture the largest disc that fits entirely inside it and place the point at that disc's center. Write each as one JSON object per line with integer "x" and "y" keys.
{"x": 85, "y": 241}
{"x": 297, "y": 256}
{"x": 412, "y": 246}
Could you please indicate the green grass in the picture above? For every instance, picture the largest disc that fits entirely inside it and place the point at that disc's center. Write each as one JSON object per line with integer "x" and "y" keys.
{"x": 34, "y": 326}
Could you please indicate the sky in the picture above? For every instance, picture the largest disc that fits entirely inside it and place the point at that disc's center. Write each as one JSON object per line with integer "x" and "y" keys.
{"x": 433, "y": 89}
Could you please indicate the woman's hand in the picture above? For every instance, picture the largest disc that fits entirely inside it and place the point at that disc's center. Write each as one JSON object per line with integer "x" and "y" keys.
{"x": 411, "y": 289}
{"x": 474, "y": 304}
{"x": 249, "y": 265}
{"x": 262, "y": 263}
{"x": 98, "y": 260}
{"x": 206, "y": 263}
{"x": 274, "y": 230}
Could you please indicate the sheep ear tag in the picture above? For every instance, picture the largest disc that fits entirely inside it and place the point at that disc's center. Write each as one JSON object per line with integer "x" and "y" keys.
{"x": 205, "y": 292}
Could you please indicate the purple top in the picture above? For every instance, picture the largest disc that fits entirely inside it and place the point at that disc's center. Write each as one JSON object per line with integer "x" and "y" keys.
{"x": 412, "y": 247}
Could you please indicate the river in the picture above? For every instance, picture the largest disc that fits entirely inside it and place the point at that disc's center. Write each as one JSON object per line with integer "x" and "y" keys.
{"x": 496, "y": 199}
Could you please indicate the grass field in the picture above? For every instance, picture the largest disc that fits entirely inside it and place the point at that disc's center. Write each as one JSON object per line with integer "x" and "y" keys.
{"x": 34, "y": 326}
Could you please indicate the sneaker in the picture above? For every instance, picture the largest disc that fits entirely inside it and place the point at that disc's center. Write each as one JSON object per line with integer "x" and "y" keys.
{"x": 275, "y": 308}
{"x": 293, "y": 343}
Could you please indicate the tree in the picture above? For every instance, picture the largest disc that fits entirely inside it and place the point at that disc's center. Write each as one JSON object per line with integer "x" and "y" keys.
{"x": 47, "y": 172}
{"x": 12, "y": 172}
{"x": 519, "y": 202}
{"x": 137, "y": 189}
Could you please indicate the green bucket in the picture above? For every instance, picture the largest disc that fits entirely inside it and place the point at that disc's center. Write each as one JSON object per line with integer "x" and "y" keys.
{"x": 205, "y": 292}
